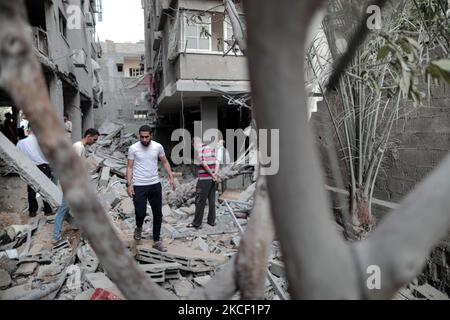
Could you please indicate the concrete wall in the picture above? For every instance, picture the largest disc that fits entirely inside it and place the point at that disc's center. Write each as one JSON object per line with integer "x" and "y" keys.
{"x": 420, "y": 141}
{"x": 122, "y": 95}
{"x": 213, "y": 67}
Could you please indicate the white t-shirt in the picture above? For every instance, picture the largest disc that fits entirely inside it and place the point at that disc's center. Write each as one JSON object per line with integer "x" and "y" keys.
{"x": 30, "y": 147}
{"x": 145, "y": 169}
{"x": 80, "y": 149}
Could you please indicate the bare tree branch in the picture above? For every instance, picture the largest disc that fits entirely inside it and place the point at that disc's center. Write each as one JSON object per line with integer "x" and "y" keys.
{"x": 322, "y": 266}
{"x": 21, "y": 75}
{"x": 239, "y": 31}
{"x": 251, "y": 263}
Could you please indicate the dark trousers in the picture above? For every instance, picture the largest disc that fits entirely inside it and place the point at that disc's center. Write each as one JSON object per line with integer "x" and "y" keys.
{"x": 32, "y": 202}
{"x": 152, "y": 194}
{"x": 206, "y": 189}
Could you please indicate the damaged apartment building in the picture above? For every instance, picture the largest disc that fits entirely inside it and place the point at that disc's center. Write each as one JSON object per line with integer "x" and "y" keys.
{"x": 126, "y": 85}
{"x": 192, "y": 80}
{"x": 66, "y": 45}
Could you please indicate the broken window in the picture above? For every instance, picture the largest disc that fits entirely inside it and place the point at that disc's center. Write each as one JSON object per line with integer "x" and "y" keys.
{"x": 62, "y": 25}
{"x": 140, "y": 115}
{"x": 120, "y": 67}
{"x": 197, "y": 31}
{"x": 136, "y": 72}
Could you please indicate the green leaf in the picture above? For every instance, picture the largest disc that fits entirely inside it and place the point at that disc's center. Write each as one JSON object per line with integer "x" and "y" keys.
{"x": 383, "y": 52}
{"x": 443, "y": 64}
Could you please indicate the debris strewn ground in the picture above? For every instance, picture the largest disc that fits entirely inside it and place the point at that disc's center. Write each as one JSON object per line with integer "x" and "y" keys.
{"x": 31, "y": 267}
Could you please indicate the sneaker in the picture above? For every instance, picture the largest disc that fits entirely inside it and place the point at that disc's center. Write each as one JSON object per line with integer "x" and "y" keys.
{"x": 158, "y": 245}
{"x": 138, "y": 233}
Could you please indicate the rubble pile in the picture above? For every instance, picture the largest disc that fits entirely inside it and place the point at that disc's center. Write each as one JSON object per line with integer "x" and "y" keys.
{"x": 32, "y": 268}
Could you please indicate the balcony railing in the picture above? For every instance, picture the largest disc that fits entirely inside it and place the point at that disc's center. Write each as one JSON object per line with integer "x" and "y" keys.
{"x": 40, "y": 40}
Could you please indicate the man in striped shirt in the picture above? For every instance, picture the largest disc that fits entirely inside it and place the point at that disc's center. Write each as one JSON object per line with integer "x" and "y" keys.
{"x": 206, "y": 185}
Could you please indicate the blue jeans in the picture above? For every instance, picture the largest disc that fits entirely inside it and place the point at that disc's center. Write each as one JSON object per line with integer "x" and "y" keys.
{"x": 61, "y": 214}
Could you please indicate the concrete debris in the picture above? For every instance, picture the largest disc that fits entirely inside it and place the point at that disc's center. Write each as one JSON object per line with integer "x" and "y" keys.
{"x": 104, "y": 177}
{"x": 85, "y": 295}
{"x": 189, "y": 259}
{"x": 10, "y": 254}
{"x": 277, "y": 268}
{"x": 202, "y": 281}
{"x": 161, "y": 272}
{"x": 26, "y": 269}
{"x": 99, "y": 280}
{"x": 200, "y": 244}
{"x": 49, "y": 270}
{"x": 183, "y": 288}
{"x": 29, "y": 172}
{"x": 5, "y": 279}
{"x": 88, "y": 258}
{"x": 74, "y": 279}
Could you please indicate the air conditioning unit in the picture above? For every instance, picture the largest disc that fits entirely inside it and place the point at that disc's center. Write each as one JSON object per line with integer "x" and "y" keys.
{"x": 89, "y": 19}
{"x": 79, "y": 58}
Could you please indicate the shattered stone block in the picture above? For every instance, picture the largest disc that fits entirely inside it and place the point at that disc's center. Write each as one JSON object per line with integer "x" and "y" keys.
{"x": 166, "y": 211}
{"x": 5, "y": 279}
{"x": 99, "y": 280}
{"x": 29, "y": 172}
{"x": 200, "y": 244}
{"x": 104, "y": 177}
{"x": 202, "y": 281}
{"x": 73, "y": 281}
{"x": 127, "y": 207}
{"x": 183, "y": 288}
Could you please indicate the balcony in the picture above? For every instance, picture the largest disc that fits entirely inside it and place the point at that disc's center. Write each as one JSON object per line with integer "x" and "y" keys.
{"x": 40, "y": 40}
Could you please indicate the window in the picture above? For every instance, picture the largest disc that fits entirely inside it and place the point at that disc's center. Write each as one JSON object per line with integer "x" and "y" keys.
{"x": 197, "y": 32}
{"x": 135, "y": 72}
{"x": 62, "y": 24}
{"x": 140, "y": 115}
{"x": 120, "y": 67}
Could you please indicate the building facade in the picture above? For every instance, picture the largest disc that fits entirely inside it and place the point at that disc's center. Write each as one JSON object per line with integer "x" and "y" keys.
{"x": 125, "y": 83}
{"x": 192, "y": 79}
{"x": 66, "y": 45}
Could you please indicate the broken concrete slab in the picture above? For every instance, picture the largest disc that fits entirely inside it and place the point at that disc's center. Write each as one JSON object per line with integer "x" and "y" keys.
{"x": 127, "y": 207}
{"x": 104, "y": 177}
{"x": 182, "y": 288}
{"x": 49, "y": 270}
{"x": 202, "y": 281}
{"x": 110, "y": 199}
{"x": 8, "y": 265}
{"x": 99, "y": 280}
{"x": 16, "y": 292}
{"x": 73, "y": 281}
{"x": 161, "y": 272}
{"x": 5, "y": 279}
{"x": 26, "y": 269}
{"x": 200, "y": 244}
{"x": 29, "y": 172}
{"x": 166, "y": 211}
{"x": 277, "y": 268}
{"x": 190, "y": 259}
{"x": 88, "y": 258}
{"x": 85, "y": 295}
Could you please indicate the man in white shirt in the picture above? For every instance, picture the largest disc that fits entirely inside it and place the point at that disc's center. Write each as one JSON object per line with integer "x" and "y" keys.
{"x": 143, "y": 182}
{"x": 90, "y": 137}
{"x": 30, "y": 147}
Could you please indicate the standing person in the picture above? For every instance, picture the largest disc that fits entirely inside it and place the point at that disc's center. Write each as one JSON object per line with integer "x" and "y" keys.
{"x": 30, "y": 147}
{"x": 9, "y": 128}
{"x": 206, "y": 185}
{"x": 90, "y": 137}
{"x": 68, "y": 125}
{"x": 143, "y": 182}
{"x": 223, "y": 159}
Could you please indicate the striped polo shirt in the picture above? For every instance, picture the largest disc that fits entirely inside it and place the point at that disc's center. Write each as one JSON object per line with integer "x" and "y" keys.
{"x": 207, "y": 154}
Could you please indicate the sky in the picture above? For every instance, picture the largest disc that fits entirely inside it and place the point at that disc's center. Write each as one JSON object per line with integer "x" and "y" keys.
{"x": 123, "y": 21}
